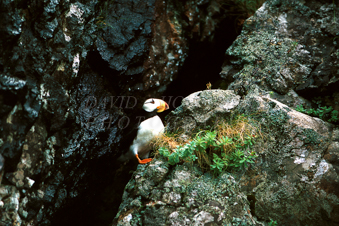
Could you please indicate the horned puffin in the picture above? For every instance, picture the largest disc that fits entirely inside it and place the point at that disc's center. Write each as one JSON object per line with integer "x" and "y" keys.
{"x": 151, "y": 127}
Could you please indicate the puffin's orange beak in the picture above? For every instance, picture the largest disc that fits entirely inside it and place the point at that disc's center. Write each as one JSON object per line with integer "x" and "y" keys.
{"x": 163, "y": 106}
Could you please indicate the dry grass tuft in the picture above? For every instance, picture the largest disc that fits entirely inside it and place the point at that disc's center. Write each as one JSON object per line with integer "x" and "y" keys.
{"x": 238, "y": 129}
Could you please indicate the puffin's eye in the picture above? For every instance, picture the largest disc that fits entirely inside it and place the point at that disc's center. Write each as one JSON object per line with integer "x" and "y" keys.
{"x": 150, "y": 102}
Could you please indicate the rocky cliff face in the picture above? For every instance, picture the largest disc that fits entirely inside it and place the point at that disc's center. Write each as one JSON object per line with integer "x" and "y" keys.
{"x": 286, "y": 55}
{"x": 72, "y": 74}
{"x": 47, "y": 138}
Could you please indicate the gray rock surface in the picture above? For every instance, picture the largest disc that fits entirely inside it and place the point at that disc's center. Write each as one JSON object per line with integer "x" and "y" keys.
{"x": 294, "y": 180}
{"x": 182, "y": 196}
{"x": 202, "y": 108}
{"x": 288, "y": 47}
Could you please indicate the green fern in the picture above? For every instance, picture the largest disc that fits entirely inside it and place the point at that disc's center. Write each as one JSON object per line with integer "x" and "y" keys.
{"x": 240, "y": 158}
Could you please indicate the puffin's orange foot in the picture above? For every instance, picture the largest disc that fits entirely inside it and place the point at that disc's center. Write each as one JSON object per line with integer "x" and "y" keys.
{"x": 144, "y": 161}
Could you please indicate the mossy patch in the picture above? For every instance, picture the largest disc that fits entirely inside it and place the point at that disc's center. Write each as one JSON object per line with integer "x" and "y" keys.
{"x": 309, "y": 136}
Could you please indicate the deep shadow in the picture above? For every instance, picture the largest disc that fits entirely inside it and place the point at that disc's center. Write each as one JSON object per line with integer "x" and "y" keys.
{"x": 323, "y": 96}
{"x": 203, "y": 63}
{"x": 98, "y": 206}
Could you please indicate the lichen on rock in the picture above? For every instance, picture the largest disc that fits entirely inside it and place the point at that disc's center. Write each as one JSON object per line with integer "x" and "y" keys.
{"x": 202, "y": 109}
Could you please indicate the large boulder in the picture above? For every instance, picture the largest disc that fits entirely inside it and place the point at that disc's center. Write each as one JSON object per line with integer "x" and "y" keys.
{"x": 202, "y": 109}
{"x": 293, "y": 181}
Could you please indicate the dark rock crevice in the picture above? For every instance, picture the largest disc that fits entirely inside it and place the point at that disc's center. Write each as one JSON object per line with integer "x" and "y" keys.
{"x": 204, "y": 62}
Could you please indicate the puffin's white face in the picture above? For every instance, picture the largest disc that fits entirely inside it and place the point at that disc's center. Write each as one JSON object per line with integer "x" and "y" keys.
{"x": 153, "y": 104}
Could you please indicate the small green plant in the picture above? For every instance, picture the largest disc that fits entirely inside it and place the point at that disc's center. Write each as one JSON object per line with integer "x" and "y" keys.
{"x": 334, "y": 116}
{"x": 300, "y": 108}
{"x": 223, "y": 149}
{"x": 323, "y": 112}
{"x": 273, "y": 223}
{"x": 218, "y": 163}
{"x": 237, "y": 159}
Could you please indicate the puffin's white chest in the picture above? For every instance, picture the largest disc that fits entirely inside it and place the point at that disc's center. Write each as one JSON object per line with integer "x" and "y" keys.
{"x": 151, "y": 127}
{"x": 148, "y": 129}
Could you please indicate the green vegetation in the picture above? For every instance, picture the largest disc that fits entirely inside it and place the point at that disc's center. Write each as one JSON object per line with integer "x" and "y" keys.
{"x": 226, "y": 148}
{"x": 324, "y": 113}
{"x": 273, "y": 223}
